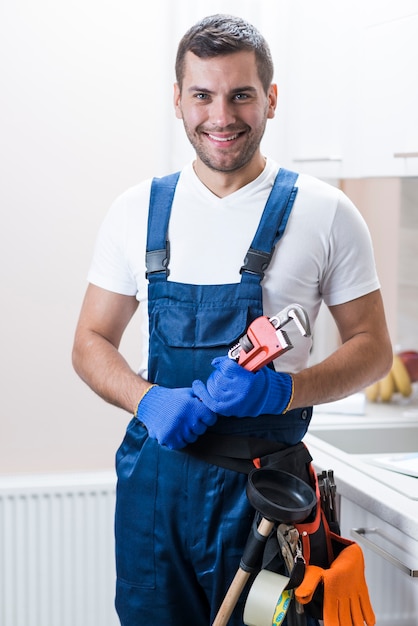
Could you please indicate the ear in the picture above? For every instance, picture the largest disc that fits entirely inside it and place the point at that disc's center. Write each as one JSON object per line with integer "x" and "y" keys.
{"x": 272, "y": 98}
{"x": 176, "y": 100}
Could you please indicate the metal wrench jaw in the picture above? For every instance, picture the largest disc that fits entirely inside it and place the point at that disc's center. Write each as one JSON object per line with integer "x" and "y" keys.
{"x": 296, "y": 313}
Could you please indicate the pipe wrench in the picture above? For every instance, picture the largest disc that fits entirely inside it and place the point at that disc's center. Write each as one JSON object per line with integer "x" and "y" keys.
{"x": 265, "y": 338}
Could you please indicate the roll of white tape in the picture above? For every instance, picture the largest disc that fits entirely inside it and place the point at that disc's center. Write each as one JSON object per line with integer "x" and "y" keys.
{"x": 267, "y": 601}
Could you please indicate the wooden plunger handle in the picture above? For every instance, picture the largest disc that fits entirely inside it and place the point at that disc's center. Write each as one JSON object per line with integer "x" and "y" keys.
{"x": 240, "y": 579}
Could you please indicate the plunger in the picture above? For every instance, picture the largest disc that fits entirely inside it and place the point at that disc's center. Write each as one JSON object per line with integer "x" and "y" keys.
{"x": 279, "y": 497}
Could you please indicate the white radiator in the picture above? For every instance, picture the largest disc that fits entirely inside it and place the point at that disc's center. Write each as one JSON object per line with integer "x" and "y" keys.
{"x": 57, "y": 550}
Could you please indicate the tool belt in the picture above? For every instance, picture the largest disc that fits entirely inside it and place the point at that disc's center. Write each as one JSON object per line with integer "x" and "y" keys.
{"x": 319, "y": 533}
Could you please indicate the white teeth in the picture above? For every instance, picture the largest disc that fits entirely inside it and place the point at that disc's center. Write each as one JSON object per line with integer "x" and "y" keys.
{"x": 223, "y": 138}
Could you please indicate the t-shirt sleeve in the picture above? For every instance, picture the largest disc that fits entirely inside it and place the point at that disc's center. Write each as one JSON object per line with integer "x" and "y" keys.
{"x": 120, "y": 244}
{"x": 351, "y": 272}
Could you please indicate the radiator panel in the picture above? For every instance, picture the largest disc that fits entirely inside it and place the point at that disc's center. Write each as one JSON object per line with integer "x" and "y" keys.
{"x": 57, "y": 550}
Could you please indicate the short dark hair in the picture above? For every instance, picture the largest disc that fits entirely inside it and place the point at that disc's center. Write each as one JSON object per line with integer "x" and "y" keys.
{"x": 222, "y": 34}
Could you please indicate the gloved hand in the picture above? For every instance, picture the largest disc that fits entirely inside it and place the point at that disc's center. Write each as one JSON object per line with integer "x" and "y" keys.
{"x": 346, "y": 597}
{"x": 174, "y": 417}
{"x": 232, "y": 390}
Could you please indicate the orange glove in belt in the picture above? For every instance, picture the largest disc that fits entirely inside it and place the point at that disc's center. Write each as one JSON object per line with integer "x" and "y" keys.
{"x": 346, "y": 597}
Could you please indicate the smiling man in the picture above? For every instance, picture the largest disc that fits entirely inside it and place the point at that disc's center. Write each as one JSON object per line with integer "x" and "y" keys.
{"x": 186, "y": 248}
{"x": 224, "y": 107}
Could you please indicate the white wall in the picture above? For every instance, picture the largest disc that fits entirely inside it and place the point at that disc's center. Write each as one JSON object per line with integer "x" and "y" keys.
{"x": 77, "y": 119}
{"x": 86, "y": 111}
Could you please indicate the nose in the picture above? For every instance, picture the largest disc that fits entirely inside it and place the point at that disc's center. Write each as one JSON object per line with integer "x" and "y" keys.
{"x": 222, "y": 112}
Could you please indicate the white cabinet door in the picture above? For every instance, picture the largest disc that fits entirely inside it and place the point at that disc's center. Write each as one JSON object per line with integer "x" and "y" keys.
{"x": 387, "y": 100}
{"x": 393, "y": 591}
{"x": 317, "y": 59}
{"x": 351, "y": 94}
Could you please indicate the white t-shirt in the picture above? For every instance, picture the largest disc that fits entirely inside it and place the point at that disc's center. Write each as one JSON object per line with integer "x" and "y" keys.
{"x": 324, "y": 254}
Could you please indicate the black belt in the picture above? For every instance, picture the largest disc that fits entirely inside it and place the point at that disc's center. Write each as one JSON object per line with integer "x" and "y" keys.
{"x": 242, "y": 454}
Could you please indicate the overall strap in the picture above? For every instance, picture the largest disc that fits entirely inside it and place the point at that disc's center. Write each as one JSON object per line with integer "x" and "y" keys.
{"x": 271, "y": 227}
{"x": 158, "y": 248}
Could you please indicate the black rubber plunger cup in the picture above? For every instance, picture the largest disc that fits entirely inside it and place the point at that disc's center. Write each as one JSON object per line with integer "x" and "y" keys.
{"x": 279, "y": 497}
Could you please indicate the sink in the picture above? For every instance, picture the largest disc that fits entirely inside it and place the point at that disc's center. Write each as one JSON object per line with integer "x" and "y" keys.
{"x": 386, "y": 451}
{"x": 370, "y": 439}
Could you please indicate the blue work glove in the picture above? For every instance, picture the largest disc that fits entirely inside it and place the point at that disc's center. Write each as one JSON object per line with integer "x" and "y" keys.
{"x": 174, "y": 417}
{"x": 232, "y": 390}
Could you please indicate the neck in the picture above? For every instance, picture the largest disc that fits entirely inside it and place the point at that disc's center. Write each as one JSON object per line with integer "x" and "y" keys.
{"x": 224, "y": 183}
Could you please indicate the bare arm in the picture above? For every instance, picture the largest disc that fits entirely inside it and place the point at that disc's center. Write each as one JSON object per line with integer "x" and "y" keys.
{"x": 364, "y": 356}
{"x": 96, "y": 359}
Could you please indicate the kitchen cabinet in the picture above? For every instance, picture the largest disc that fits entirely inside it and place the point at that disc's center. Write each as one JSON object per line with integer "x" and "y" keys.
{"x": 351, "y": 97}
{"x": 315, "y": 102}
{"x": 381, "y": 505}
{"x": 386, "y": 106}
{"x": 391, "y": 557}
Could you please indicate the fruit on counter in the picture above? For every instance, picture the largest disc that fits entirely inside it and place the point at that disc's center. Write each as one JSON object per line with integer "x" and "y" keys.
{"x": 401, "y": 376}
{"x": 403, "y": 373}
{"x": 373, "y": 392}
{"x": 410, "y": 359}
{"x": 387, "y": 387}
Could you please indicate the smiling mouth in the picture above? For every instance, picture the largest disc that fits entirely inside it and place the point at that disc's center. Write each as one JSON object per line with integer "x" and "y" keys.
{"x": 224, "y": 139}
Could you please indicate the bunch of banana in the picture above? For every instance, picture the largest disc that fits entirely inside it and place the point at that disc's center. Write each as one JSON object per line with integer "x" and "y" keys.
{"x": 403, "y": 373}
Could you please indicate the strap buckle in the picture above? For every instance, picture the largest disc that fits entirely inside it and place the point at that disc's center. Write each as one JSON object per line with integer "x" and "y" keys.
{"x": 256, "y": 262}
{"x": 157, "y": 261}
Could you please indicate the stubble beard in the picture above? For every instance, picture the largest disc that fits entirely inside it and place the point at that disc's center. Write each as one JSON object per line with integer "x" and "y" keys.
{"x": 229, "y": 162}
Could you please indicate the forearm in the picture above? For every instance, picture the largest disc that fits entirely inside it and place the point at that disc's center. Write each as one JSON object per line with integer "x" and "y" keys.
{"x": 101, "y": 366}
{"x": 356, "y": 364}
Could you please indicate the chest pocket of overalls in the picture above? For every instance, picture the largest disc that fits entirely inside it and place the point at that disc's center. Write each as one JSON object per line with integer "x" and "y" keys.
{"x": 189, "y": 324}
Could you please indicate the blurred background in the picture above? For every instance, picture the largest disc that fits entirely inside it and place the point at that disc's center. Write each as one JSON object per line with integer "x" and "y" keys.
{"x": 86, "y": 111}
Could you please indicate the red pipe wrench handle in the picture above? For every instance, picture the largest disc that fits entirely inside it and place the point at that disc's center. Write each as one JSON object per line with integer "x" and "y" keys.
{"x": 267, "y": 343}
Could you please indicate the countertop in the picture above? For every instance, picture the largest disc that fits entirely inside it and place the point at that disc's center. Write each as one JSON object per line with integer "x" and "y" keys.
{"x": 371, "y": 487}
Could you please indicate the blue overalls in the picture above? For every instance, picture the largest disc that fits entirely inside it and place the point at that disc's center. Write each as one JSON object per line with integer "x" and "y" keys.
{"x": 182, "y": 523}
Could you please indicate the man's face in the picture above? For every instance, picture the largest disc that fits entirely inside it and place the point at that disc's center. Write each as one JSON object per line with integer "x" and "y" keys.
{"x": 224, "y": 109}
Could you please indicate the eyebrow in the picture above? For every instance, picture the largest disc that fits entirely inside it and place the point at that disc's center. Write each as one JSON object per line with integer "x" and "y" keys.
{"x": 196, "y": 88}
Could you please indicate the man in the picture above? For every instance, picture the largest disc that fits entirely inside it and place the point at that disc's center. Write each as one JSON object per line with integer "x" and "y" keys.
{"x": 181, "y": 520}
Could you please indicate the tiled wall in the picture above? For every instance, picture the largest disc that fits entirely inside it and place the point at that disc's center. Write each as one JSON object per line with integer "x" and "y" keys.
{"x": 379, "y": 200}
{"x": 407, "y": 327}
